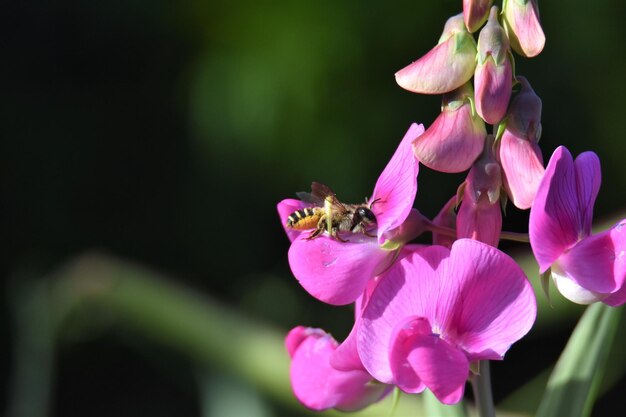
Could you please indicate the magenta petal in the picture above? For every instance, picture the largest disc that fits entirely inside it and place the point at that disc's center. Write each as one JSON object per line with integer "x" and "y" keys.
{"x": 555, "y": 217}
{"x": 522, "y": 164}
{"x": 419, "y": 357}
{"x": 398, "y": 296}
{"x": 479, "y": 221}
{"x": 396, "y": 187}
{"x": 453, "y": 142}
{"x": 319, "y": 386}
{"x": 598, "y": 262}
{"x": 487, "y": 302}
{"x": 337, "y": 272}
{"x": 286, "y": 208}
{"x": 588, "y": 179}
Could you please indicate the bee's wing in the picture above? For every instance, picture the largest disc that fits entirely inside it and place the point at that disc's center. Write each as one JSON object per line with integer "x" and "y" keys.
{"x": 321, "y": 192}
{"x": 318, "y": 195}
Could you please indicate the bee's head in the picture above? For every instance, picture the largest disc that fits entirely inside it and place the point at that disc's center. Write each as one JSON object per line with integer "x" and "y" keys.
{"x": 366, "y": 214}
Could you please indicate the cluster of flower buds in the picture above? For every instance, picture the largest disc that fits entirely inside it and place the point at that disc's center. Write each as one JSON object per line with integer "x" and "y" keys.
{"x": 426, "y": 314}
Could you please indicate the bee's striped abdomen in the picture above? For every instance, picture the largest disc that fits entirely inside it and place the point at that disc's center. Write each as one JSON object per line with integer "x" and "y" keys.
{"x": 306, "y": 218}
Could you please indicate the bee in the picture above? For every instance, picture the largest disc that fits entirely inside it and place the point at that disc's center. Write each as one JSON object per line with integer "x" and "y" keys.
{"x": 331, "y": 215}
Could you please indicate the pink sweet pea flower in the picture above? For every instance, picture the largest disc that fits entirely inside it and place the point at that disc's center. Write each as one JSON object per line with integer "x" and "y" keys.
{"x": 519, "y": 153}
{"x": 317, "y": 384}
{"x": 456, "y": 137}
{"x": 437, "y": 310}
{"x": 585, "y": 268}
{"x": 447, "y": 66}
{"x": 337, "y": 272}
{"x": 521, "y": 21}
{"x": 493, "y": 77}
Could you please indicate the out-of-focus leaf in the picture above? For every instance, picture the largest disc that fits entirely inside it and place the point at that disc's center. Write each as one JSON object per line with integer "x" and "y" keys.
{"x": 432, "y": 407}
{"x": 573, "y": 385}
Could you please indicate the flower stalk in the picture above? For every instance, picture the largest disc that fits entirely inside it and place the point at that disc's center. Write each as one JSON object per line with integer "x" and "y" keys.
{"x": 481, "y": 385}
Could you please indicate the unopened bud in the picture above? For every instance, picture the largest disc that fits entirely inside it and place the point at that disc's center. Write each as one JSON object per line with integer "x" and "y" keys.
{"x": 521, "y": 21}
{"x": 475, "y": 13}
{"x": 493, "y": 77}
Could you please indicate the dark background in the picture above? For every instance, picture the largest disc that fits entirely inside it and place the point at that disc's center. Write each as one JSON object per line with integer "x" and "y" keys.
{"x": 166, "y": 132}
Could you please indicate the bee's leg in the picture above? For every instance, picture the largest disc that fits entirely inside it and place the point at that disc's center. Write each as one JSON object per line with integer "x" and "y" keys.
{"x": 321, "y": 226}
{"x": 315, "y": 233}
{"x": 366, "y": 233}
{"x": 334, "y": 234}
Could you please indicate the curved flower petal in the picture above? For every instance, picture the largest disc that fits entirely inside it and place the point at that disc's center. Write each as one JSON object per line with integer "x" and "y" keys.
{"x": 420, "y": 358}
{"x": 555, "y": 217}
{"x": 337, "y": 272}
{"x": 479, "y": 220}
{"x": 447, "y": 66}
{"x": 319, "y": 386}
{"x": 521, "y": 19}
{"x": 285, "y": 209}
{"x": 456, "y": 137}
{"x": 597, "y": 264}
{"x": 395, "y": 190}
{"x": 411, "y": 298}
{"x": 522, "y": 165}
{"x": 487, "y": 302}
{"x": 588, "y": 179}
{"x": 475, "y": 13}
{"x": 346, "y": 357}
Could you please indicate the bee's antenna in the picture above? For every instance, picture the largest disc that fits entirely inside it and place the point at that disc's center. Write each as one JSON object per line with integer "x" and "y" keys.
{"x": 372, "y": 203}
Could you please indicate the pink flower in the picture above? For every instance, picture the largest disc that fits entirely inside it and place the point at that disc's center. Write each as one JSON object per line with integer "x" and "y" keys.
{"x": 317, "y": 384}
{"x": 447, "y": 66}
{"x": 475, "y": 13}
{"x": 456, "y": 138}
{"x": 437, "y": 310}
{"x": 337, "y": 272}
{"x": 521, "y": 21}
{"x": 480, "y": 216}
{"x": 493, "y": 77}
{"x": 585, "y": 268}
{"x": 519, "y": 153}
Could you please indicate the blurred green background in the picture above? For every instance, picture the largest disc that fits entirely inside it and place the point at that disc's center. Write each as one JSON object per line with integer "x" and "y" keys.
{"x": 164, "y": 133}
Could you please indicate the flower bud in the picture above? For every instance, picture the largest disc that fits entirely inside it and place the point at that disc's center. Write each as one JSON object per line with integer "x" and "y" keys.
{"x": 493, "y": 76}
{"x": 521, "y": 21}
{"x": 447, "y": 66}
{"x": 456, "y": 137}
{"x": 519, "y": 154}
{"x": 479, "y": 216}
{"x": 475, "y": 13}
{"x": 524, "y": 118}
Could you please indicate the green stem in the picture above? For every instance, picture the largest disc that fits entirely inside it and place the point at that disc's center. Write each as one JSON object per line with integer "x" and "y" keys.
{"x": 481, "y": 384}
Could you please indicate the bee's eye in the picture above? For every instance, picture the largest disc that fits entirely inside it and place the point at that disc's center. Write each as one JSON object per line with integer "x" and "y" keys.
{"x": 366, "y": 214}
